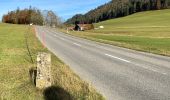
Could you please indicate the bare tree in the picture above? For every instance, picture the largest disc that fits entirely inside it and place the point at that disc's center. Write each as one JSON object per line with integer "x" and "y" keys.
{"x": 51, "y": 19}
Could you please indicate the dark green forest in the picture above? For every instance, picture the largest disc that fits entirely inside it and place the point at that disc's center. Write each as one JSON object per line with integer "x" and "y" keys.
{"x": 118, "y": 8}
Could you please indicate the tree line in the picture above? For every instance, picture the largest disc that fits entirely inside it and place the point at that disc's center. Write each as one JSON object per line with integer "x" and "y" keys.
{"x": 32, "y": 15}
{"x": 118, "y": 8}
{"x": 25, "y": 16}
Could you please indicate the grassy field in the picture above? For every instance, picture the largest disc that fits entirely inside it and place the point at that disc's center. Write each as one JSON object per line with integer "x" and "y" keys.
{"x": 145, "y": 31}
{"x": 15, "y": 63}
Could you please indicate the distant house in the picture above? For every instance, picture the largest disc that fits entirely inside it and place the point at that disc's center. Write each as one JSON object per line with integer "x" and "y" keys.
{"x": 31, "y": 24}
{"x": 80, "y": 27}
{"x": 83, "y": 27}
{"x": 77, "y": 27}
{"x": 71, "y": 28}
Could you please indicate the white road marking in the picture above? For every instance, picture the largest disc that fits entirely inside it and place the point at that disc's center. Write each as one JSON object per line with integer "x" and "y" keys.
{"x": 164, "y": 73}
{"x": 118, "y": 58}
{"x": 147, "y": 68}
{"x": 141, "y": 66}
{"x": 59, "y": 37}
{"x": 62, "y": 38}
{"x": 158, "y": 71}
{"x": 151, "y": 69}
{"x": 154, "y": 70}
{"x": 77, "y": 44}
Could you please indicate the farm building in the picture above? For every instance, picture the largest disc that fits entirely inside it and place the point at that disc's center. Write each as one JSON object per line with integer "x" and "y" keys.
{"x": 83, "y": 27}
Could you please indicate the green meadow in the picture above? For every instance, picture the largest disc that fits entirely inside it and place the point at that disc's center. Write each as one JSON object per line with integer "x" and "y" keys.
{"x": 147, "y": 31}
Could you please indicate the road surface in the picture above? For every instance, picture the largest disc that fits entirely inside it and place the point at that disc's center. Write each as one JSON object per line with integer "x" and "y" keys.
{"x": 117, "y": 73}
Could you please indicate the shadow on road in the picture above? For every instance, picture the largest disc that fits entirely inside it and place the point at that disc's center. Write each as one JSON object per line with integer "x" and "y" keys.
{"x": 56, "y": 93}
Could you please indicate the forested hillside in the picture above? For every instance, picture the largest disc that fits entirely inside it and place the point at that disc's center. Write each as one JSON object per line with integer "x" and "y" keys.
{"x": 26, "y": 16}
{"x": 118, "y": 8}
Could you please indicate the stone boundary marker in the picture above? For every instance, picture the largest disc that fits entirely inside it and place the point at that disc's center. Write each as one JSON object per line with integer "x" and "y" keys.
{"x": 43, "y": 76}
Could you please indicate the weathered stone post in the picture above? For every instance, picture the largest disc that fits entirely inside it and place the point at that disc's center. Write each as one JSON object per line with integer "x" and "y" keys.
{"x": 43, "y": 79}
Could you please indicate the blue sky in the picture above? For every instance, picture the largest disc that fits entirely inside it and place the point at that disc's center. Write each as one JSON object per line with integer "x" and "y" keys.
{"x": 64, "y": 8}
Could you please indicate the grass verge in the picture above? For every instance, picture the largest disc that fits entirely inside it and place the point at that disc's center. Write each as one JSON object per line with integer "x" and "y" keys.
{"x": 15, "y": 62}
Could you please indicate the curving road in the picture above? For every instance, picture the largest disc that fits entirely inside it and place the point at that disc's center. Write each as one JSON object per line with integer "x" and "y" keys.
{"x": 118, "y": 73}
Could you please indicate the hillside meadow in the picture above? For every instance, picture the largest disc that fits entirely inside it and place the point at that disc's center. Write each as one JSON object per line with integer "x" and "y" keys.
{"x": 145, "y": 31}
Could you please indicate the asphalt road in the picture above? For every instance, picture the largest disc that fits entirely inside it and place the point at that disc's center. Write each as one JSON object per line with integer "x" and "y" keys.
{"x": 117, "y": 73}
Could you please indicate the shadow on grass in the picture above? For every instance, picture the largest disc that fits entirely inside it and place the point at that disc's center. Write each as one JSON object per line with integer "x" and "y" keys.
{"x": 33, "y": 74}
{"x": 56, "y": 93}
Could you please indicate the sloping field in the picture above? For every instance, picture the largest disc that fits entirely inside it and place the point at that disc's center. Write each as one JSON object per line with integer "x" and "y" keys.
{"x": 150, "y": 24}
{"x": 145, "y": 31}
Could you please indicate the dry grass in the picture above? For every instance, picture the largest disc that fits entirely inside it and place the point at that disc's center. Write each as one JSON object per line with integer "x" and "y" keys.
{"x": 15, "y": 63}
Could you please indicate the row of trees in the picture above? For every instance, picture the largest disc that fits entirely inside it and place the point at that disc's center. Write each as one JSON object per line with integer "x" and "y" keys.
{"x": 26, "y": 16}
{"x": 32, "y": 15}
{"x": 118, "y": 8}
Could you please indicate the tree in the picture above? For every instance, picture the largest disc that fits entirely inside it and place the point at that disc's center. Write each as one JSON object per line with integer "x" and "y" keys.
{"x": 158, "y": 3}
{"x": 51, "y": 19}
